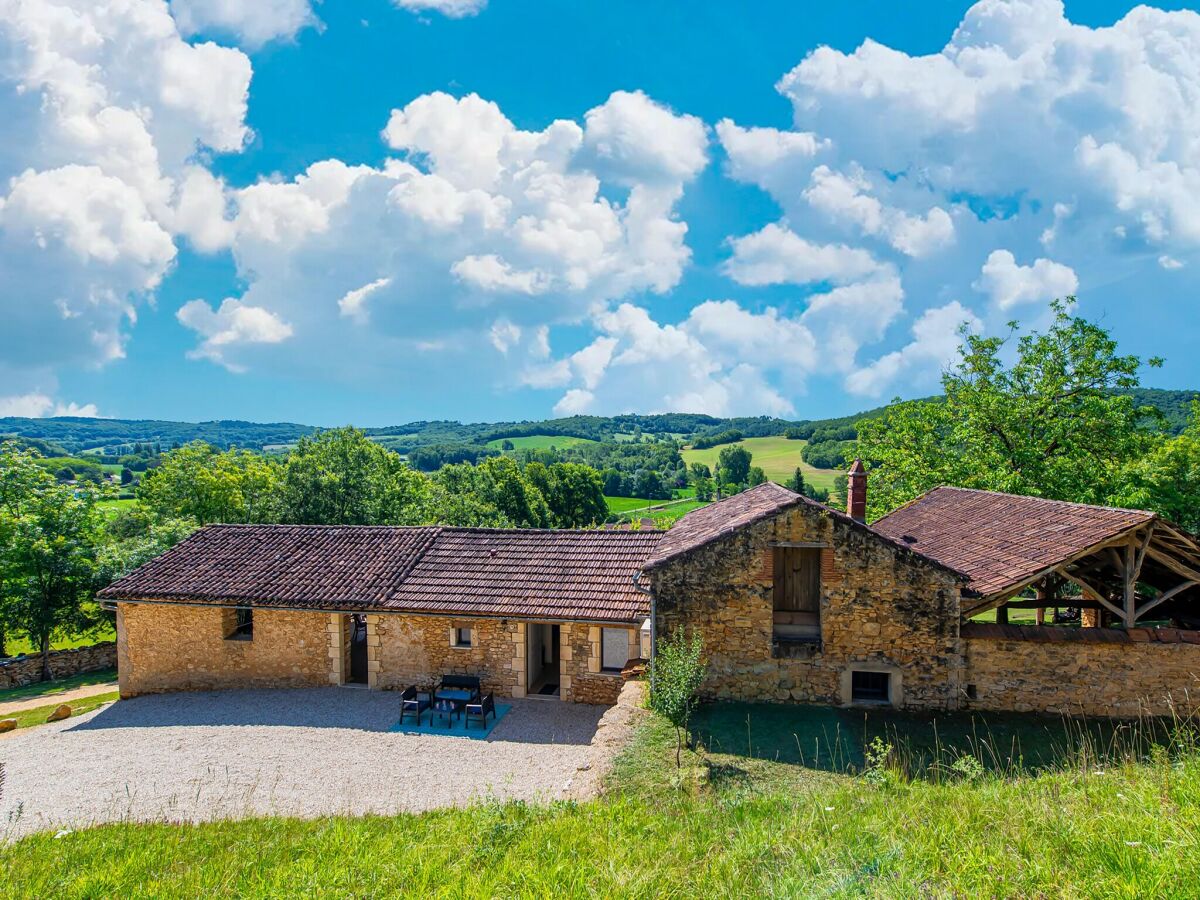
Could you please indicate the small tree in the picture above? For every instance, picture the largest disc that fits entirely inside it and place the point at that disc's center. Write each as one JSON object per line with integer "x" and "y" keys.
{"x": 676, "y": 673}
{"x": 797, "y": 482}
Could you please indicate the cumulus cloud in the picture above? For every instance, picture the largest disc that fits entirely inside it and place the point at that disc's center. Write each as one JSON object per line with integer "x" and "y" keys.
{"x": 252, "y": 24}
{"x": 777, "y": 255}
{"x": 232, "y": 326}
{"x": 353, "y": 304}
{"x": 935, "y": 342}
{"x": 41, "y": 406}
{"x": 105, "y": 107}
{"x": 1008, "y": 284}
{"x": 634, "y": 140}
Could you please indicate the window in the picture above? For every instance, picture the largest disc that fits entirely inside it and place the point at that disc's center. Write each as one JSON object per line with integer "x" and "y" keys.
{"x": 797, "y": 592}
{"x": 871, "y": 687}
{"x": 614, "y": 649}
{"x": 243, "y": 625}
{"x": 461, "y": 637}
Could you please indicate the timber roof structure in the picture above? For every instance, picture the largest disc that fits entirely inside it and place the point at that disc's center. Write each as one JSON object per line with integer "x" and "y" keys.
{"x": 445, "y": 571}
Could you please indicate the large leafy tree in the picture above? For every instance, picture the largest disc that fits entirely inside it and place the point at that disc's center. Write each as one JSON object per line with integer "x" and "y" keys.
{"x": 199, "y": 482}
{"x": 1167, "y": 479}
{"x": 573, "y": 492}
{"x": 1047, "y": 420}
{"x": 51, "y": 539}
{"x": 733, "y": 465}
{"x": 495, "y": 493}
{"x": 341, "y": 477}
{"x": 21, "y": 477}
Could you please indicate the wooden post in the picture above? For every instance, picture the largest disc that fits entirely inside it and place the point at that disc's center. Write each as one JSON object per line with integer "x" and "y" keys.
{"x": 1040, "y": 613}
{"x": 1130, "y": 573}
{"x": 1002, "y": 615}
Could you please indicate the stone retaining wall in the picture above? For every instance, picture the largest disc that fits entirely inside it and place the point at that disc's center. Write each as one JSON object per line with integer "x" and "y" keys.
{"x": 1082, "y": 671}
{"x": 881, "y": 610}
{"x": 22, "y": 670}
{"x": 166, "y": 647}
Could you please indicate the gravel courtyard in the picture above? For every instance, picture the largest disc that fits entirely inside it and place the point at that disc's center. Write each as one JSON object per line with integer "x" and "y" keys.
{"x": 198, "y": 756}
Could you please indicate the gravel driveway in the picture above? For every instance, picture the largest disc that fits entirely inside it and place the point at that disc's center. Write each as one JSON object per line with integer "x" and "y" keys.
{"x": 198, "y": 756}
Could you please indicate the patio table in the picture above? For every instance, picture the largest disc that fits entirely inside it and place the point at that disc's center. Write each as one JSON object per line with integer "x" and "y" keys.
{"x": 446, "y": 708}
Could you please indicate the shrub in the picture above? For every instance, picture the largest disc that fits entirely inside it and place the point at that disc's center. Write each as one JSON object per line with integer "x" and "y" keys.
{"x": 676, "y": 673}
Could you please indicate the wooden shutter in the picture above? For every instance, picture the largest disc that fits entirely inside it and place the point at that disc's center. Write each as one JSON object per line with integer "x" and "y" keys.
{"x": 798, "y": 579}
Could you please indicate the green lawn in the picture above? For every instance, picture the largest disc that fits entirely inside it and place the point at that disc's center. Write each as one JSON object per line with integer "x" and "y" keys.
{"x": 541, "y": 442}
{"x": 753, "y": 815}
{"x": 28, "y": 718}
{"x": 777, "y": 456}
{"x": 111, "y": 507}
{"x": 49, "y": 688}
{"x": 18, "y": 645}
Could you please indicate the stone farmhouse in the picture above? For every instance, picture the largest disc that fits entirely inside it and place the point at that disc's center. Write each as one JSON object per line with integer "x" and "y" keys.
{"x": 795, "y": 602}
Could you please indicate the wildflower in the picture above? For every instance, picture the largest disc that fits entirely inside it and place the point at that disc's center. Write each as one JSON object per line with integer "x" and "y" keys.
{"x": 63, "y": 833}
{"x": 829, "y": 809}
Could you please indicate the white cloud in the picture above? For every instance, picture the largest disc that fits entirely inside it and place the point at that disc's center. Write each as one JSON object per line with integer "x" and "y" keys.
{"x": 105, "y": 107}
{"x": 230, "y": 327}
{"x": 1169, "y": 262}
{"x": 634, "y": 140}
{"x": 759, "y": 155}
{"x": 491, "y": 273}
{"x": 847, "y": 198}
{"x": 1008, "y": 284}
{"x": 252, "y": 22}
{"x": 41, "y": 406}
{"x": 935, "y": 343}
{"x": 453, "y": 9}
{"x": 776, "y": 255}
{"x": 353, "y": 304}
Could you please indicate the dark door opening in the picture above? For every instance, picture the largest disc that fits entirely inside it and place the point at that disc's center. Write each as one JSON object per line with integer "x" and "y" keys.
{"x": 358, "y": 649}
{"x": 541, "y": 662}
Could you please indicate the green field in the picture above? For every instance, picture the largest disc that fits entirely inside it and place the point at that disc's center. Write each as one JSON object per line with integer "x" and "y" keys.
{"x": 774, "y": 804}
{"x": 15, "y": 646}
{"x": 541, "y": 442}
{"x": 111, "y": 507}
{"x": 777, "y": 456}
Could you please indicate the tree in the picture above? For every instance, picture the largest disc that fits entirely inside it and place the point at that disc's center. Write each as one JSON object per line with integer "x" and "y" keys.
{"x": 676, "y": 673}
{"x": 21, "y": 477}
{"x": 340, "y": 477}
{"x": 494, "y": 493}
{"x": 796, "y": 482}
{"x": 733, "y": 465}
{"x": 199, "y": 482}
{"x": 52, "y": 551}
{"x": 573, "y": 492}
{"x": 1167, "y": 479}
{"x": 126, "y": 475}
{"x": 756, "y": 477}
{"x": 1051, "y": 424}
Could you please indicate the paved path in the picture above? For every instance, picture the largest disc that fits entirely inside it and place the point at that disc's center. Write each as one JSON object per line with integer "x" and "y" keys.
{"x": 311, "y": 752}
{"x": 88, "y": 690}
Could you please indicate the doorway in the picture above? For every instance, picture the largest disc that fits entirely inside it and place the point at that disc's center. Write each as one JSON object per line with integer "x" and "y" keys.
{"x": 356, "y": 625}
{"x": 541, "y": 659}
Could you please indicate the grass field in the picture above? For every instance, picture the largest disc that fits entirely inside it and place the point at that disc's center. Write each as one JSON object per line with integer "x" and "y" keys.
{"x": 27, "y": 718}
{"x": 111, "y": 507}
{"x": 754, "y": 814}
{"x": 18, "y": 645}
{"x": 777, "y": 456}
{"x": 541, "y": 442}
{"x": 48, "y": 689}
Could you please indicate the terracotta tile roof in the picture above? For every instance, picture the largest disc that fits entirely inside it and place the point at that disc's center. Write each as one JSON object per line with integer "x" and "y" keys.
{"x": 709, "y": 523}
{"x": 1001, "y": 540}
{"x": 544, "y": 574}
{"x": 281, "y": 565}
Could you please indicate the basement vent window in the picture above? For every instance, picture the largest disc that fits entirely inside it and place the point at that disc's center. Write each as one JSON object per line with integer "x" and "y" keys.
{"x": 871, "y": 687}
{"x": 972, "y": 692}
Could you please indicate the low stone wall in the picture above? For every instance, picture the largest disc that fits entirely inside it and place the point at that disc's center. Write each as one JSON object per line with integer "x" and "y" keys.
{"x": 22, "y": 670}
{"x": 1081, "y": 671}
{"x": 165, "y": 647}
{"x": 413, "y": 649}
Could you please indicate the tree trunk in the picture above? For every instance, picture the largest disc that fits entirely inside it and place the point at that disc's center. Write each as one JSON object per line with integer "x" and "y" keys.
{"x": 3, "y": 642}
{"x": 45, "y": 657}
{"x": 678, "y": 749}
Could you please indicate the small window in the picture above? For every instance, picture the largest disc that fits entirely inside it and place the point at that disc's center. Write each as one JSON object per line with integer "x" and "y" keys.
{"x": 243, "y": 625}
{"x": 462, "y": 637}
{"x": 870, "y": 687}
{"x": 972, "y": 692}
{"x": 614, "y": 649}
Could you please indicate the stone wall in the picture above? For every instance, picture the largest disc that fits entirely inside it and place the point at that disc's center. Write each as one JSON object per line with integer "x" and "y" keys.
{"x": 415, "y": 648}
{"x": 22, "y": 670}
{"x": 582, "y": 679}
{"x": 165, "y": 647}
{"x": 882, "y": 609}
{"x": 1093, "y": 672}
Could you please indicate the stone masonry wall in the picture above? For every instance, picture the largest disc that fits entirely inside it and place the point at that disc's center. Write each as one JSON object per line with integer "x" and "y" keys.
{"x": 880, "y": 610}
{"x": 415, "y": 648}
{"x": 22, "y": 670}
{"x": 164, "y": 647}
{"x": 582, "y": 679}
{"x": 1078, "y": 677}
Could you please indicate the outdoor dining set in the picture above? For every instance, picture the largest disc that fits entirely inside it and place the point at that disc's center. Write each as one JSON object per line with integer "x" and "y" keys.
{"x": 455, "y": 696}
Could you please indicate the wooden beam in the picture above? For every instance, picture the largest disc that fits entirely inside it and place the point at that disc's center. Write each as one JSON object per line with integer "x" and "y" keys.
{"x": 1165, "y": 596}
{"x": 1130, "y": 585}
{"x": 1174, "y": 565}
{"x": 1096, "y": 595}
{"x": 1145, "y": 545}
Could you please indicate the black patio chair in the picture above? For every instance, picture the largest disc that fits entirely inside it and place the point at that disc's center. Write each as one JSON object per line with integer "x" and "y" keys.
{"x": 413, "y": 704}
{"x": 480, "y": 709}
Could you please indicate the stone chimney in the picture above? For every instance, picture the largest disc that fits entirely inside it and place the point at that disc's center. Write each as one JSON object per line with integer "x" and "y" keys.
{"x": 856, "y": 492}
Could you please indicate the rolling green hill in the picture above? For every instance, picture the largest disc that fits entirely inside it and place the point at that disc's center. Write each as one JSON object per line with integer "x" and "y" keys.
{"x": 779, "y": 457}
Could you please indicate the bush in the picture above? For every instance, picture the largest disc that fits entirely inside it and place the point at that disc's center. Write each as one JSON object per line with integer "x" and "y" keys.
{"x": 676, "y": 673}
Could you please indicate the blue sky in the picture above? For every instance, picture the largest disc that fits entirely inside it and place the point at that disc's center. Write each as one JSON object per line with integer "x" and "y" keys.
{"x": 388, "y": 210}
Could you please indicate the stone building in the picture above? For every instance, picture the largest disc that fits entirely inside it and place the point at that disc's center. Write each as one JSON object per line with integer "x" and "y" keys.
{"x": 794, "y": 602}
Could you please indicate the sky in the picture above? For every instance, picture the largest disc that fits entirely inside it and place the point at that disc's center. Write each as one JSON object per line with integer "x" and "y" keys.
{"x": 380, "y": 211}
